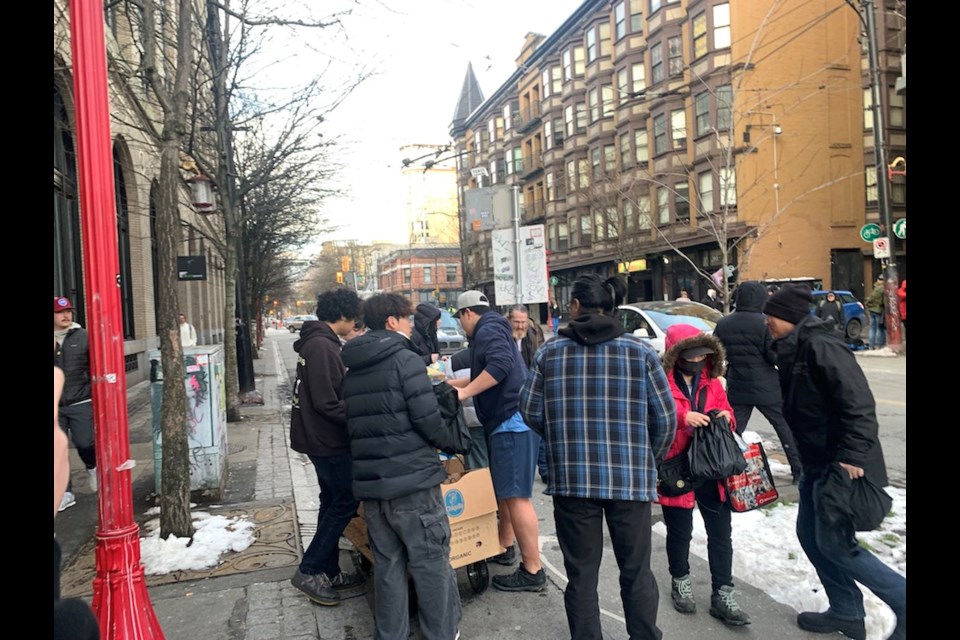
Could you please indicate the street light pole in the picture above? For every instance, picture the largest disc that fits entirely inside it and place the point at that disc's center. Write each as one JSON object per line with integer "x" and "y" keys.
{"x": 120, "y": 597}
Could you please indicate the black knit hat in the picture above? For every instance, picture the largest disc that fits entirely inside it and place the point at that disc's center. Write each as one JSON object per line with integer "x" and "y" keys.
{"x": 790, "y": 303}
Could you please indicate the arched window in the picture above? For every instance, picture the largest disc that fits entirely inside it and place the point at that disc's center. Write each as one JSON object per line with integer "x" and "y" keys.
{"x": 123, "y": 247}
{"x": 67, "y": 254}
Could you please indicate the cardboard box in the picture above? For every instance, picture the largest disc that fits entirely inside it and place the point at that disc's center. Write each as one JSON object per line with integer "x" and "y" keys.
{"x": 472, "y": 511}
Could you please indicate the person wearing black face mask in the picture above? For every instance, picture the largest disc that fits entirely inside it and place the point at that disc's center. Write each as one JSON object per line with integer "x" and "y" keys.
{"x": 694, "y": 363}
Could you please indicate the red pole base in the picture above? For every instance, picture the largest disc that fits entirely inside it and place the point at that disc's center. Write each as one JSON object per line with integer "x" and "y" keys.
{"x": 120, "y": 598}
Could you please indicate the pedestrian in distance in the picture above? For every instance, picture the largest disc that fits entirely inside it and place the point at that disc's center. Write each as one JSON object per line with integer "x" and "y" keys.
{"x": 601, "y": 401}
{"x": 875, "y": 305}
{"x": 395, "y": 430}
{"x": 831, "y": 410}
{"x": 684, "y": 296}
{"x": 76, "y": 402}
{"x": 318, "y": 429}
{"x": 555, "y": 313}
{"x": 426, "y": 323}
{"x": 694, "y": 363}
{"x": 752, "y": 380}
{"x": 188, "y": 335}
{"x": 832, "y": 308}
{"x": 711, "y": 300}
{"x": 528, "y": 340}
{"x": 496, "y": 375}
{"x": 902, "y": 301}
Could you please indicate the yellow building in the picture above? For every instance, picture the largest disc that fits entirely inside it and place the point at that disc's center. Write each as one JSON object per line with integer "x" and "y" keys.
{"x": 431, "y": 195}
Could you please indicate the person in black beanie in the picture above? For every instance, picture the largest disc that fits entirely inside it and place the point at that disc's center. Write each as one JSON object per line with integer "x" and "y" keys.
{"x": 832, "y": 413}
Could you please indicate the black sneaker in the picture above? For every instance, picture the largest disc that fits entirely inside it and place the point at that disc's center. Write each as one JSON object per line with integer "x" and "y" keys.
{"x": 681, "y": 591}
{"x": 521, "y": 580}
{"x": 349, "y": 585}
{"x": 723, "y": 605}
{"x": 507, "y": 558}
{"x": 317, "y": 587}
{"x": 826, "y": 622}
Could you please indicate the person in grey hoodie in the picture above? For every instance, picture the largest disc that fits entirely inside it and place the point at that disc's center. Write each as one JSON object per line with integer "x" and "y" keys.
{"x": 752, "y": 380}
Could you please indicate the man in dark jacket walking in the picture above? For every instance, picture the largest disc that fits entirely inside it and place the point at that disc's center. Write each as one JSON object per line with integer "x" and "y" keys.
{"x": 318, "y": 428}
{"x": 751, "y": 368}
{"x": 395, "y": 430}
{"x": 426, "y": 322}
{"x": 831, "y": 411}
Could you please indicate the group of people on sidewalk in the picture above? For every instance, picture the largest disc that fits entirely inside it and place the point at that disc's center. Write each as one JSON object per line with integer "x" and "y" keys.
{"x": 607, "y": 411}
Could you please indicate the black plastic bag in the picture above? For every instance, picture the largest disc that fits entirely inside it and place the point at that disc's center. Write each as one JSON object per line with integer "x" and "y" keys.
{"x": 859, "y": 502}
{"x": 673, "y": 476}
{"x": 714, "y": 453}
{"x": 451, "y": 412}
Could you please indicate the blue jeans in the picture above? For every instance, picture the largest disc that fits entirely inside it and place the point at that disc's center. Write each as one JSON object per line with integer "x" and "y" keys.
{"x": 878, "y": 332}
{"x": 841, "y": 563}
{"x": 337, "y": 508}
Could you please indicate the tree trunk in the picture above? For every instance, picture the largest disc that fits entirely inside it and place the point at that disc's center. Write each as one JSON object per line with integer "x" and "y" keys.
{"x": 175, "y": 468}
{"x": 230, "y": 316}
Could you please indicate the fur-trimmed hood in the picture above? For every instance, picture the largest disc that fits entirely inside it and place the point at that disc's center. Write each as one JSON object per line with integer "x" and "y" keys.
{"x": 681, "y": 337}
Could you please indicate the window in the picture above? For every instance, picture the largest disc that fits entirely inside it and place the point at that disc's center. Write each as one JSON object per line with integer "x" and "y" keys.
{"x": 581, "y": 108}
{"x": 478, "y": 142}
{"x": 629, "y": 217}
{"x": 613, "y": 222}
{"x": 567, "y": 60}
{"x": 593, "y": 102}
{"x": 556, "y": 79}
{"x": 724, "y": 107}
{"x": 721, "y": 26}
{"x": 639, "y": 77}
{"x": 583, "y": 170}
{"x": 604, "y": 30}
{"x": 572, "y": 174}
{"x": 656, "y": 63}
{"x": 595, "y": 161}
{"x": 517, "y": 159}
{"x": 545, "y": 82}
{"x": 643, "y": 212}
{"x": 427, "y": 275}
{"x": 620, "y": 20}
{"x": 406, "y": 275}
{"x": 870, "y": 173}
{"x": 591, "y": 45}
{"x": 586, "y": 231}
{"x": 606, "y": 98}
{"x": 551, "y": 236}
{"x": 895, "y": 104}
{"x": 563, "y": 241}
{"x": 701, "y": 109}
{"x": 574, "y": 242}
{"x": 599, "y": 225}
{"x": 492, "y": 129}
{"x": 663, "y": 205}
{"x": 728, "y": 187}
{"x": 507, "y": 113}
{"x": 548, "y": 135}
{"x": 451, "y": 274}
{"x": 558, "y": 132}
{"x": 640, "y": 146}
{"x": 898, "y": 190}
{"x": 625, "y": 150}
{"x": 636, "y": 16}
{"x": 660, "y": 134}
{"x": 610, "y": 158}
{"x": 578, "y": 61}
{"x": 867, "y": 109}
{"x": 568, "y": 121}
{"x": 678, "y": 128}
{"x": 623, "y": 86}
{"x": 551, "y": 188}
{"x": 705, "y": 181}
{"x": 700, "y": 35}
{"x": 675, "y": 53}
{"x": 493, "y": 172}
{"x": 681, "y": 191}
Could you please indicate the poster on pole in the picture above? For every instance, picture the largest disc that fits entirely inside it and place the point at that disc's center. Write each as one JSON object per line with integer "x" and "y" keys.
{"x": 504, "y": 278}
{"x": 533, "y": 264}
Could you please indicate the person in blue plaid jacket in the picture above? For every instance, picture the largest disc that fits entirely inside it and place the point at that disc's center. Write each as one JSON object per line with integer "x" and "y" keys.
{"x": 601, "y": 400}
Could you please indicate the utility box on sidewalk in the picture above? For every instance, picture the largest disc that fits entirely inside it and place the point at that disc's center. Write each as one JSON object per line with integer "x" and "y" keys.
{"x": 472, "y": 511}
{"x": 205, "y": 419}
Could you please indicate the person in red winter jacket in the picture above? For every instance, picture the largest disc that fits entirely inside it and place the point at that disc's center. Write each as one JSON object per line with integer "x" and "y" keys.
{"x": 694, "y": 363}
{"x": 902, "y": 298}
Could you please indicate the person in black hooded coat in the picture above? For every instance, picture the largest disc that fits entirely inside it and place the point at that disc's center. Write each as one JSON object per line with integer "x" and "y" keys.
{"x": 425, "y": 325}
{"x": 752, "y": 379}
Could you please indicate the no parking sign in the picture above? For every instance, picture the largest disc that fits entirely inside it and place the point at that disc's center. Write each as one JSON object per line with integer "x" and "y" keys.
{"x": 881, "y": 248}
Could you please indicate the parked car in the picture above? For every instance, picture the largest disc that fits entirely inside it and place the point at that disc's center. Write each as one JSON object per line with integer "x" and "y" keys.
{"x": 649, "y": 320}
{"x": 294, "y": 323}
{"x": 853, "y": 312}
{"x": 450, "y": 335}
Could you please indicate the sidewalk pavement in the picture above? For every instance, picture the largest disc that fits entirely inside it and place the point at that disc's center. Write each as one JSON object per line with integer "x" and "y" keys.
{"x": 256, "y": 601}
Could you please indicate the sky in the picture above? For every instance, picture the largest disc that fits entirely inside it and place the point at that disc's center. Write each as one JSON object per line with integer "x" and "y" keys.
{"x": 419, "y": 52}
{"x": 774, "y": 564}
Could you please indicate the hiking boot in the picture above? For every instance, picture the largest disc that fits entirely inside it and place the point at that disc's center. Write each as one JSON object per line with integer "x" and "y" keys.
{"x": 317, "y": 587}
{"x": 681, "y": 590}
{"x": 349, "y": 585}
{"x": 826, "y": 622}
{"x": 521, "y": 580}
{"x": 507, "y": 558}
{"x": 67, "y": 501}
{"x": 723, "y": 605}
{"x": 92, "y": 479}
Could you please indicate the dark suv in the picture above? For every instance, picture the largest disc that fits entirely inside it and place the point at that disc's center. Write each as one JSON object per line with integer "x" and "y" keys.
{"x": 853, "y": 312}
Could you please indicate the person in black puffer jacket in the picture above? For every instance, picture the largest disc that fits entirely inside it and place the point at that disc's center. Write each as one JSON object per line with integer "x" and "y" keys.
{"x": 424, "y": 337}
{"x": 395, "y": 430}
{"x": 751, "y": 368}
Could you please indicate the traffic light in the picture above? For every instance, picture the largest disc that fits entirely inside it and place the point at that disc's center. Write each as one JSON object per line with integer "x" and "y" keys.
{"x": 339, "y": 277}
{"x": 345, "y": 263}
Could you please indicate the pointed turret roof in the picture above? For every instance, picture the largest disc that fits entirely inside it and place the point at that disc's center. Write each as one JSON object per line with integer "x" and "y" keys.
{"x": 471, "y": 97}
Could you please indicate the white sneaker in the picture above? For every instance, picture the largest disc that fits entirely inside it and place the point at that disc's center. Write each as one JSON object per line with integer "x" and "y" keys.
{"x": 92, "y": 476}
{"x": 67, "y": 501}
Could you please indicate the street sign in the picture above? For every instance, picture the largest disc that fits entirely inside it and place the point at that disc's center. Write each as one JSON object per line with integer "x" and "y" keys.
{"x": 900, "y": 228}
{"x": 881, "y": 248}
{"x": 870, "y": 232}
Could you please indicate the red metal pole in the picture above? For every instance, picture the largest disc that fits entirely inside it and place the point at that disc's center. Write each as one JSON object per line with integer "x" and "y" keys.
{"x": 120, "y": 597}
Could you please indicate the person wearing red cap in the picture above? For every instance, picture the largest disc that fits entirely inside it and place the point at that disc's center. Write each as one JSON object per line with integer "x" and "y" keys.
{"x": 76, "y": 405}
